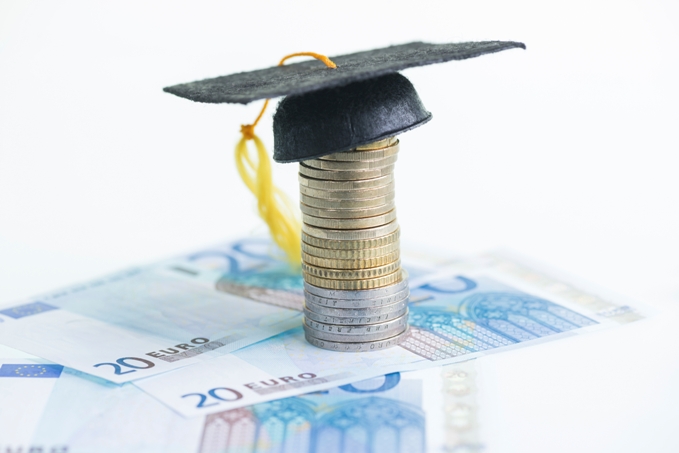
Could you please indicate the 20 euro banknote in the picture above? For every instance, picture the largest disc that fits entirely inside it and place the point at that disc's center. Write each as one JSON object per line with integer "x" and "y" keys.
{"x": 477, "y": 307}
{"x": 53, "y": 409}
{"x": 161, "y": 317}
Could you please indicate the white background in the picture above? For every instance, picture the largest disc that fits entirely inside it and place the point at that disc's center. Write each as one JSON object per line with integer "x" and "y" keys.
{"x": 566, "y": 152}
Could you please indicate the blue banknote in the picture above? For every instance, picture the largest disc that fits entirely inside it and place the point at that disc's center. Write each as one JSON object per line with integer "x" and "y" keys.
{"x": 453, "y": 317}
{"x": 160, "y": 317}
{"x": 429, "y": 410}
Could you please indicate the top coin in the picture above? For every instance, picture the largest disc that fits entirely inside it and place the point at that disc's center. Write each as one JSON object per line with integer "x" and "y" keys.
{"x": 353, "y": 156}
{"x": 378, "y": 144}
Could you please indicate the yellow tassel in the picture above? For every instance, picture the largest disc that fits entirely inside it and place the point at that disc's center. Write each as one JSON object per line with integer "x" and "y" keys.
{"x": 274, "y": 206}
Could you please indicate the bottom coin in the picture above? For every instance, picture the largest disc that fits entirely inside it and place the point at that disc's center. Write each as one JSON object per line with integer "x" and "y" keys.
{"x": 351, "y": 338}
{"x": 363, "y": 346}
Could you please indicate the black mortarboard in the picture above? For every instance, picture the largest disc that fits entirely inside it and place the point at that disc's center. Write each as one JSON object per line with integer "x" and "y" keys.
{"x": 326, "y": 111}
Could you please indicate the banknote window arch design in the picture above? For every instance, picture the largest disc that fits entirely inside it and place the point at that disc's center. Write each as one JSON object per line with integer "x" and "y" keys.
{"x": 378, "y": 423}
{"x": 297, "y": 426}
{"x": 487, "y": 320}
{"x": 521, "y": 316}
{"x": 287, "y": 422}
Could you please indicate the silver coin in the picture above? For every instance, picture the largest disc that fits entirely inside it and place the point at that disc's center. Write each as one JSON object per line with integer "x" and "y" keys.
{"x": 354, "y": 330}
{"x": 326, "y": 203}
{"x": 340, "y": 338}
{"x": 350, "y": 224}
{"x": 368, "y": 154}
{"x": 351, "y": 165}
{"x": 357, "y": 312}
{"x": 325, "y": 184}
{"x": 357, "y": 194}
{"x": 358, "y": 303}
{"x": 350, "y": 235}
{"x": 345, "y": 175}
{"x": 361, "y": 294}
{"x": 347, "y": 213}
{"x": 353, "y": 320}
{"x": 362, "y": 346}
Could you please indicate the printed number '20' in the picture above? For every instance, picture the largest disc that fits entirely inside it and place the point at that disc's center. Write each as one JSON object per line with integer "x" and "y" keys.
{"x": 125, "y": 362}
{"x": 213, "y": 393}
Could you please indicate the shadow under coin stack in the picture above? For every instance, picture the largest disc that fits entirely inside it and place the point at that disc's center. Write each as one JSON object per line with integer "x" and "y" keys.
{"x": 356, "y": 294}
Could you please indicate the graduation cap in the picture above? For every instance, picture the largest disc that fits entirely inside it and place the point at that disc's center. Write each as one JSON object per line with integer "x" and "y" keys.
{"x": 350, "y": 101}
{"x": 325, "y": 111}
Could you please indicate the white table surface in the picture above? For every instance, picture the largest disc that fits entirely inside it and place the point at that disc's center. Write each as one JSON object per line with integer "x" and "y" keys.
{"x": 566, "y": 153}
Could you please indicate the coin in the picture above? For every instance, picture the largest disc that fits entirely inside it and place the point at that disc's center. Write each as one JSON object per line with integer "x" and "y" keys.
{"x": 358, "y": 244}
{"x": 362, "y": 263}
{"x": 369, "y": 283}
{"x": 351, "y": 274}
{"x": 350, "y": 224}
{"x": 349, "y": 235}
{"x": 351, "y": 165}
{"x": 378, "y": 144}
{"x": 350, "y": 254}
{"x": 357, "y": 303}
{"x": 345, "y": 175}
{"x": 351, "y": 320}
{"x": 372, "y": 154}
{"x": 362, "y": 346}
{"x": 358, "y": 293}
{"x": 324, "y": 184}
{"x": 323, "y": 203}
{"x": 357, "y": 194}
{"x": 385, "y": 310}
{"x": 351, "y": 338}
{"x": 347, "y": 213}
{"x": 352, "y": 330}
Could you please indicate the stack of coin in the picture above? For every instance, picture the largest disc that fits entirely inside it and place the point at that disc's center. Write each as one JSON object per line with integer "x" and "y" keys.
{"x": 356, "y": 294}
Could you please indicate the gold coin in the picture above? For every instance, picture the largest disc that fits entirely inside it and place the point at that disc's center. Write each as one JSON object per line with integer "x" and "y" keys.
{"x": 322, "y": 203}
{"x": 323, "y": 184}
{"x": 347, "y": 213}
{"x": 351, "y": 244}
{"x": 354, "y": 285}
{"x": 352, "y": 165}
{"x": 347, "y": 175}
{"x": 351, "y": 274}
{"x": 358, "y": 194}
{"x": 350, "y": 224}
{"x": 373, "y": 154}
{"x": 356, "y": 254}
{"x": 378, "y": 144}
{"x": 361, "y": 263}
{"x": 350, "y": 235}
